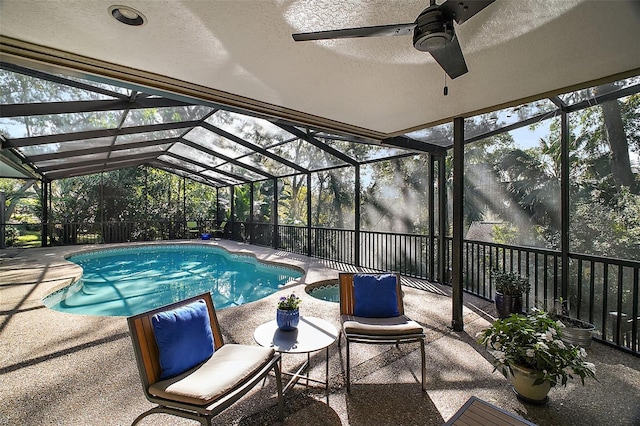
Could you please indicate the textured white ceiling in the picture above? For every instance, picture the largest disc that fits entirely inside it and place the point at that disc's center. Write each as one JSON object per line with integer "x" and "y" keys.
{"x": 514, "y": 50}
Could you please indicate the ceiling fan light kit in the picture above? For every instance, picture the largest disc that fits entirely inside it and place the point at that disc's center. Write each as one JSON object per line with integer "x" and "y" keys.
{"x": 433, "y": 31}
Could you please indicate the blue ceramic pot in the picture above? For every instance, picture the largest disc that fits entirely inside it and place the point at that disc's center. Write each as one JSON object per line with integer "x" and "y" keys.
{"x": 287, "y": 319}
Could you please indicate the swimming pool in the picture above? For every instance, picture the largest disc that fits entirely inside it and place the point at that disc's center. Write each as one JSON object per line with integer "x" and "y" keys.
{"x": 127, "y": 281}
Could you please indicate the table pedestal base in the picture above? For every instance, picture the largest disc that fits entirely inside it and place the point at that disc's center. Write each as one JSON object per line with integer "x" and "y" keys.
{"x": 304, "y": 368}
{"x": 311, "y": 335}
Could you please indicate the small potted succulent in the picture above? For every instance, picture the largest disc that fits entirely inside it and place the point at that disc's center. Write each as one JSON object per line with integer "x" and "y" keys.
{"x": 529, "y": 351}
{"x": 510, "y": 286}
{"x": 288, "y": 313}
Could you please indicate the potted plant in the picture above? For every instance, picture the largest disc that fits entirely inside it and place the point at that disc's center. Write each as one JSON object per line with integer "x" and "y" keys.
{"x": 509, "y": 289}
{"x": 574, "y": 331}
{"x": 288, "y": 313}
{"x": 529, "y": 351}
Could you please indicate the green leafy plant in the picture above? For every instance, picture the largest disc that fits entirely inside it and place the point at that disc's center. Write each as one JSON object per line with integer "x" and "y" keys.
{"x": 533, "y": 341}
{"x": 510, "y": 283}
{"x": 560, "y": 312}
{"x": 289, "y": 303}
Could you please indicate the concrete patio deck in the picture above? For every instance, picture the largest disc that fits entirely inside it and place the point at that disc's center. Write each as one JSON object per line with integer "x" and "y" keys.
{"x": 65, "y": 369}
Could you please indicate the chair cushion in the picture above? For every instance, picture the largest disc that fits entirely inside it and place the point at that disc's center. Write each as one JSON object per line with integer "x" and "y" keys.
{"x": 184, "y": 338}
{"x": 229, "y": 366}
{"x": 375, "y": 296}
{"x": 393, "y": 326}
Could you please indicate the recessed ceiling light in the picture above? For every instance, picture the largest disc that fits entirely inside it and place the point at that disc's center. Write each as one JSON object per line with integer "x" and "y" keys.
{"x": 127, "y": 15}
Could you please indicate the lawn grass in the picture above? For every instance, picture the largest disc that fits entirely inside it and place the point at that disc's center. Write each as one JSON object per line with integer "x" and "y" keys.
{"x": 28, "y": 239}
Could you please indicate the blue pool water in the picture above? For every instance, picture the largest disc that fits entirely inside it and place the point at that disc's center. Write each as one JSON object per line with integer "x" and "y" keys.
{"x": 127, "y": 281}
{"x": 328, "y": 292}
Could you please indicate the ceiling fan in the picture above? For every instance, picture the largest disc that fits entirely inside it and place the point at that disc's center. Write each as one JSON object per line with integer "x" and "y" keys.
{"x": 433, "y": 32}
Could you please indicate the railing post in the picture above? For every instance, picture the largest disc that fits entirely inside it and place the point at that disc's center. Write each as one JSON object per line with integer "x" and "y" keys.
{"x": 356, "y": 237}
{"x": 3, "y": 202}
{"x": 564, "y": 204}
{"x": 105, "y": 231}
{"x": 309, "y": 214}
{"x": 217, "y": 207}
{"x": 232, "y": 210}
{"x": 50, "y": 216}
{"x": 275, "y": 213}
{"x": 432, "y": 223}
{"x": 442, "y": 219}
{"x": 45, "y": 213}
{"x": 251, "y": 213}
{"x": 184, "y": 207}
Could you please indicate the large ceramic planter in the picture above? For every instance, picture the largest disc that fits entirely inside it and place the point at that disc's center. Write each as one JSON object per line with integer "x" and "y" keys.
{"x": 522, "y": 381}
{"x": 577, "y": 332}
{"x": 507, "y": 304}
{"x": 287, "y": 319}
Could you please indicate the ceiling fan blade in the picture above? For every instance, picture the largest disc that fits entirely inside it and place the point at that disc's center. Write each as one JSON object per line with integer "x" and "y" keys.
{"x": 451, "y": 59}
{"x": 462, "y": 10}
{"x": 377, "y": 31}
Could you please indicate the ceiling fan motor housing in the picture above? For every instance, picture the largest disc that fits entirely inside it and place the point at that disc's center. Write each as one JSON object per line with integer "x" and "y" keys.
{"x": 433, "y": 30}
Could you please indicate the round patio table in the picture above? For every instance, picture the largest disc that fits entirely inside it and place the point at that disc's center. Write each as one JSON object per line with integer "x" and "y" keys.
{"x": 313, "y": 334}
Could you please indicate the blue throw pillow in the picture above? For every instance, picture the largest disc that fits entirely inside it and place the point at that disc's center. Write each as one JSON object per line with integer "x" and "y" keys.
{"x": 184, "y": 338}
{"x": 376, "y": 296}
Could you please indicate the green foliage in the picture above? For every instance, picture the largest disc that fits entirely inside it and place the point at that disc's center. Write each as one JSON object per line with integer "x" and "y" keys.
{"x": 514, "y": 180}
{"x": 242, "y": 199}
{"x": 332, "y": 198}
{"x": 510, "y": 283}
{"x": 29, "y": 239}
{"x": 262, "y": 201}
{"x": 22, "y": 200}
{"x": 395, "y": 195}
{"x": 533, "y": 341}
{"x": 11, "y": 235}
{"x": 141, "y": 194}
{"x": 21, "y": 89}
{"x": 505, "y": 233}
{"x": 289, "y": 303}
{"x": 292, "y": 200}
{"x": 521, "y": 184}
{"x": 482, "y": 190}
{"x": 607, "y": 228}
{"x": 532, "y": 185}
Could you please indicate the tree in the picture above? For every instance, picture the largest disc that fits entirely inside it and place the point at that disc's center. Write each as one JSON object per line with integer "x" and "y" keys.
{"x": 395, "y": 198}
{"x": 17, "y": 190}
{"x": 616, "y": 137}
{"x": 603, "y": 187}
